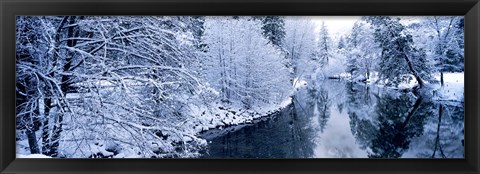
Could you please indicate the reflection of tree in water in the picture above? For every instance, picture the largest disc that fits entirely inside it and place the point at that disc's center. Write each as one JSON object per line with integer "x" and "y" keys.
{"x": 283, "y": 136}
{"x": 302, "y": 135}
{"x": 399, "y": 119}
{"x": 359, "y": 96}
{"x": 362, "y": 129}
{"x": 318, "y": 103}
{"x": 359, "y": 103}
{"x": 396, "y": 119}
{"x": 385, "y": 123}
{"x": 443, "y": 138}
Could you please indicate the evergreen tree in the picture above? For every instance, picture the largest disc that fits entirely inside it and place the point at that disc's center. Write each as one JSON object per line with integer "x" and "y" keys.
{"x": 399, "y": 57}
{"x": 341, "y": 43}
{"x": 352, "y": 43}
{"x": 324, "y": 43}
{"x": 197, "y": 27}
{"x": 274, "y": 29}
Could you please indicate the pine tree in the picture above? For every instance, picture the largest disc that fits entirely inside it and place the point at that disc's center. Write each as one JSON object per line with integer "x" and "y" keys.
{"x": 353, "y": 52}
{"x": 274, "y": 29}
{"x": 324, "y": 43}
{"x": 341, "y": 43}
{"x": 399, "y": 57}
{"x": 197, "y": 27}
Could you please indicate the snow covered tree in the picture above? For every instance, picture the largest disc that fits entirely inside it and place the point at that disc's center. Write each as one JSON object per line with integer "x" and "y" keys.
{"x": 448, "y": 43}
{"x": 341, "y": 43}
{"x": 274, "y": 29}
{"x": 197, "y": 28}
{"x": 29, "y": 36}
{"x": 42, "y": 58}
{"x": 324, "y": 45}
{"x": 300, "y": 44}
{"x": 148, "y": 86}
{"x": 220, "y": 54}
{"x": 399, "y": 57}
{"x": 362, "y": 51}
{"x": 330, "y": 58}
{"x": 125, "y": 72}
{"x": 242, "y": 63}
{"x": 147, "y": 59}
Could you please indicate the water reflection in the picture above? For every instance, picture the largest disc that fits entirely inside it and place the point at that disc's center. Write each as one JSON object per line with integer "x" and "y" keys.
{"x": 399, "y": 119}
{"x": 283, "y": 136}
{"x": 335, "y": 119}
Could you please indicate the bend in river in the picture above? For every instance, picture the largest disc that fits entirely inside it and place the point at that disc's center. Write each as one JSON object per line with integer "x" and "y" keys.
{"x": 338, "y": 119}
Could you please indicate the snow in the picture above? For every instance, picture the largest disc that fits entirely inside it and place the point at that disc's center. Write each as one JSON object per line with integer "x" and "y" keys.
{"x": 286, "y": 102}
{"x": 221, "y": 115}
{"x": 299, "y": 83}
{"x": 407, "y": 85}
{"x": 33, "y": 156}
{"x": 155, "y": 94}
{"x": 453, "y": 88}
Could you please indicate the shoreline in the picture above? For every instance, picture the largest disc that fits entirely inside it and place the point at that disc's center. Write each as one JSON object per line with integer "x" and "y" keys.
{"x": 220, "y": 130}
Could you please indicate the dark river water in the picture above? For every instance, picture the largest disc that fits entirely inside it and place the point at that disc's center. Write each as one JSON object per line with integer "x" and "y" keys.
{"x": 337, "y": 119}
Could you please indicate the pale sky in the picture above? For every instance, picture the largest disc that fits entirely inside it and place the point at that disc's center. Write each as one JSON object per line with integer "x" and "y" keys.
{"x": 341, "y": 25}
{"x": 337, "y": 25}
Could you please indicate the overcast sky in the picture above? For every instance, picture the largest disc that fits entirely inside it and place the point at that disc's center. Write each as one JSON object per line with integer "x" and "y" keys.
{"x": 337, "y": 25}
{"x": 341, "y": 25}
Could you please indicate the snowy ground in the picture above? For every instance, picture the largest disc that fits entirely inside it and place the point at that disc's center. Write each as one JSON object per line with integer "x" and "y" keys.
{"x": 299, "y": 83}
{"x": 33, "y": 156}
{"x": 453, "y": 89}
{"x": 221, "y": 116}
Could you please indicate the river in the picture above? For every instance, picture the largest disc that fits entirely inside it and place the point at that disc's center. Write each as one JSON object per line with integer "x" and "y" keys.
{"x": 338, "y": 119}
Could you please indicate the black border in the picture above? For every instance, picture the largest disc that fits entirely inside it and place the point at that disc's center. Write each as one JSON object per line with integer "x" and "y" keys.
{"x": 10, "y": 8}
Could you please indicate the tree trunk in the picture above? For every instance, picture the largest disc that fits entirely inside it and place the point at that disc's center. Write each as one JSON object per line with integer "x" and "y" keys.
{"x": 413, "y": 71}
{"x": 65, "y": 81}
{"x": 27, "y": 118}
{"x": 32, "y": 126}
{"x": 408, "y": 60}
{"x": 26, "y": 121}
{"x": 32, "y": 141}
{"x": 46, "y": 138}
{"x": 441, "y": 78}
{"x": 46, "y": 129}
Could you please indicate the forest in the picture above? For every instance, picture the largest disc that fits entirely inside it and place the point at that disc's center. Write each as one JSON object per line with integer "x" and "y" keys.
{"x": 151, "y": 86}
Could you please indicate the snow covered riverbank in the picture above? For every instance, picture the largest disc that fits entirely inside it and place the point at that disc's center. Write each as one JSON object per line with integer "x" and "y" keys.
{"x": 178, "y": 138}
{"x": 219, "y": 116}
{"x": 453, "y": 89}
